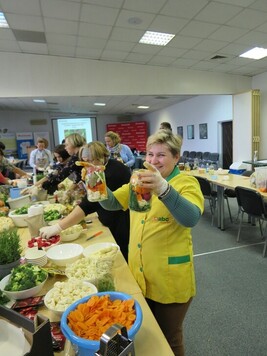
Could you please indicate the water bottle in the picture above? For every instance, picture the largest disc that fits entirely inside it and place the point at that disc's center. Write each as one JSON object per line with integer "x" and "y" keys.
{"x": 255, "y": 158}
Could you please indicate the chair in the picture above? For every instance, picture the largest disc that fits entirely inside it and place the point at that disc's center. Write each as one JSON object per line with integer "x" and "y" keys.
{"x": 205, "y": 158}
{"x": 199, "y": 155}
{"x": 214, "y": 159}
{"x": 211, "y": 196}
{"x": 230, "y": 193}
{"x": 251, "y": 202}
{"x": 184, "y": 157}
{"x": 185, "y": 154}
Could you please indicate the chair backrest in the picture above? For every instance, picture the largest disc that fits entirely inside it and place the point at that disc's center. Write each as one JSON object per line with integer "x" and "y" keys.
{"x": 204, "y": 186}
{"x": 206, "y": 155}
{"x": 185, "y": 153}
{"x": 250, "y": 201}
{"x": 192, "y": 154}
{"x": 199, "y": 155}
{"x": 214, "y": 157}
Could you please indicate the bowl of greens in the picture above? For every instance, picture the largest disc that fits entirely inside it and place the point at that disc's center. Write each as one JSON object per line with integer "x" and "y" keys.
{"x": 25, "y": 281}
{"x": 19, "y": 216}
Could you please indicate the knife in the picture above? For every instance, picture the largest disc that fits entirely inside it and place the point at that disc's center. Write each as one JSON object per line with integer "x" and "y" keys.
{"x": 96, "y": 234}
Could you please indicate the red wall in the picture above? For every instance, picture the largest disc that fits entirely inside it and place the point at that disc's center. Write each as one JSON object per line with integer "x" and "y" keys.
{"x": 133, "y": 134}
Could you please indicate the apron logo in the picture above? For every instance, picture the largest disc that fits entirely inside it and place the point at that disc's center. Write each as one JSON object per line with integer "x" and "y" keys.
{"x": 161, "y": 218}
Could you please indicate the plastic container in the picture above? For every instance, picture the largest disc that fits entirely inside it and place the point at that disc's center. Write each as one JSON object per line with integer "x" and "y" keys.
{"x": 236, "y": 171}
{"x": 19, "y": 202}
{"x": 85, "y": 347}
{"x": 15, "y": 193}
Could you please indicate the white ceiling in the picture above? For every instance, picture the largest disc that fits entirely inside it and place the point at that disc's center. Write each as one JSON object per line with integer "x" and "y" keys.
{"x": 109, "y": 30}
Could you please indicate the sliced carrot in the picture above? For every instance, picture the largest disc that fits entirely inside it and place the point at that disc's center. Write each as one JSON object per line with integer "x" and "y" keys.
{"x": 91, "y": 319}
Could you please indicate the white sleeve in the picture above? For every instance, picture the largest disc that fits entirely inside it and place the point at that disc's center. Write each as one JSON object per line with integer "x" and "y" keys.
{"x": 32, "y": 158}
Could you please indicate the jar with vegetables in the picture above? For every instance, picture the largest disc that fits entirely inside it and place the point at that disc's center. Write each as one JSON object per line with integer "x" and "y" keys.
{"x": 139, "y": 198}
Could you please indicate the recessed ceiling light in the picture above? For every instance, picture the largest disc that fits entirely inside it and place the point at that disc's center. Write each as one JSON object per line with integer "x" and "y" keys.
{"x": 255, "y": 53}
{"x": 156, "y": 38}
{"x": 99, "y": 104}
{"x": 3, "y": 21}
{"x": 142, "y": 107}
{"x": 39, "y": 100}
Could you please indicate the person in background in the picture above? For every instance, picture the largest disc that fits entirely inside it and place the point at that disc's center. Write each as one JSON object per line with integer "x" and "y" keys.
{"x": 50, "y": 181}
{"x": 73, "y": 143}
{"x": 118, "y": 150}
{"x": 5, "y": 180}
{"x": 6, "y": 166}
{"x": 41, "y": 157}
{"x": 160, "y": 247}
{"x": 165, "y": 126}
{"x": 116, "y": 175}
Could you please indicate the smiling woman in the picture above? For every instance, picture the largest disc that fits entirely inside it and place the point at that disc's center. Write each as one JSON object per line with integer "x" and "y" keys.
{"x": 166, "y": 279}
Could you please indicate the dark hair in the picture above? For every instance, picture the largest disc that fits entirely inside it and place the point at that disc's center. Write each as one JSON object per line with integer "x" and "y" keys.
{"x": 2, "y": 146}
{"x": 165, "y": 126}
{"x": 1, "y": 152}
{"x": 61, "y": 151}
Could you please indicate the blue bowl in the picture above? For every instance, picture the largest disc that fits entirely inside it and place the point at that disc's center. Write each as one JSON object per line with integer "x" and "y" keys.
{"x": 87, "y": 347}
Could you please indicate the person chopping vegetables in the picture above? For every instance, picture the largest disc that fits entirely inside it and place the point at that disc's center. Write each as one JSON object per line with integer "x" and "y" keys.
{"x": 160, "y": 246}
{"x": 116, "y": 174}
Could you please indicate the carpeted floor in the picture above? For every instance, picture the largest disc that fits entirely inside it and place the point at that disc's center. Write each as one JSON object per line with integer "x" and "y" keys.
{"x": 228, "y": 316}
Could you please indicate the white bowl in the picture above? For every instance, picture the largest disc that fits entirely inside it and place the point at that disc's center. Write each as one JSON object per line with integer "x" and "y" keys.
{"x": 27, "y": 293}
{"x": 73, "y": 289}
{"x": 19, "y": 220}
{"x": 107, "y": 250}
{"x": 64, "y": 254}
{"x": 19, "y": 202}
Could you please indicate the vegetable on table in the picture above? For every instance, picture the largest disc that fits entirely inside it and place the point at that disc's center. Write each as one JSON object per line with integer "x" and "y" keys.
{"x": 24, "y": 277}
{"x": 91, "y": 319}
{"x": 21, "y": 211}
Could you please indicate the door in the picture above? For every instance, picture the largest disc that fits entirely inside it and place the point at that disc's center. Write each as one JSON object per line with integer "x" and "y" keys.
{"x": 227, "y": 144}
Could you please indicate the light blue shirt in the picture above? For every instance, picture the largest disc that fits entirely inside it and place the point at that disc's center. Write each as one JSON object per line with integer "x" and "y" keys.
{"x": 127, "y": 155}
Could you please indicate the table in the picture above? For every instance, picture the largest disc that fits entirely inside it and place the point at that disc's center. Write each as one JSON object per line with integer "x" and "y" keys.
{"x": 260, "y": 163}
{"x": 149, "y": 340}
{"x": 221, "y": 182}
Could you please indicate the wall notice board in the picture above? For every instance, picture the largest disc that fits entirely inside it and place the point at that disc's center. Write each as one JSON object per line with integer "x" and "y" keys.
{"x": 133, "y": 134}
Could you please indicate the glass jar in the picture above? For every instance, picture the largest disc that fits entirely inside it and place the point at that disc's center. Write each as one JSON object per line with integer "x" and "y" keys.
{"x": 95, "y": 182}
{"x": 139, "y": 197}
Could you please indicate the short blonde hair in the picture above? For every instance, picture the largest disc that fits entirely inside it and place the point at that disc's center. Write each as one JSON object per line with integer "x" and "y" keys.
{"x": 113, "y": 136}
{"x": 76, "y": 140}
{"x": 96, "y": 149}
{"x": 166, "y": 137}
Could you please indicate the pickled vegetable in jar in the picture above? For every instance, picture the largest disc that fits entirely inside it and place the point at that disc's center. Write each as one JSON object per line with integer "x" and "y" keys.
{"x": 139, "y": 197}
{"x": 95, "y": 182}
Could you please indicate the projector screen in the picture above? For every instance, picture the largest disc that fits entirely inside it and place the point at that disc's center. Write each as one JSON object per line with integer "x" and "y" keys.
{"x": 85, "y": 126}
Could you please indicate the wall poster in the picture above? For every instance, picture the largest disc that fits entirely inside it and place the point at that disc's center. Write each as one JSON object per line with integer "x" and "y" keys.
{"x": 133, "y": 134}
{"x": 180, "y": 131}
{"x": 203, "y": 131}
{"x": 190, "y": 132}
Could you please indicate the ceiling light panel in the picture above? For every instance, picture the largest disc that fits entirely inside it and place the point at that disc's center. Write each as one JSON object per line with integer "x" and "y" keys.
{"x": 3, "y": 22}
{"x": 255, "y": 53}
{"x": 156, "y": 38}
